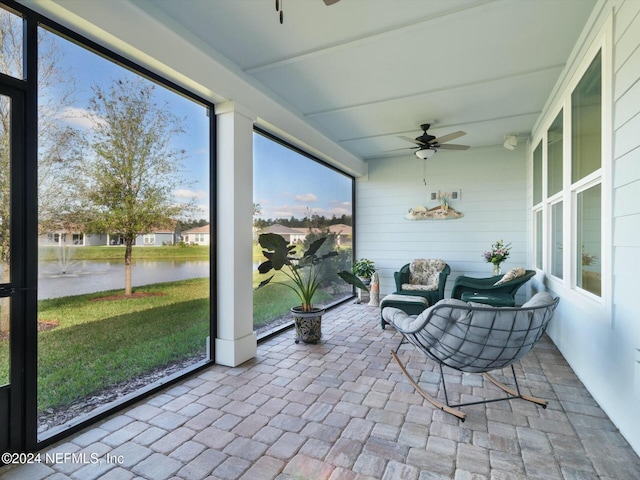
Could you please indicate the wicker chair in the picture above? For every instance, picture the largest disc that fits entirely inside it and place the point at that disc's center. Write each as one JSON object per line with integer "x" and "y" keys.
{"x": 424, "y": 277}
{"x": 474, "y": 338}
{"x": 466, "y": 288}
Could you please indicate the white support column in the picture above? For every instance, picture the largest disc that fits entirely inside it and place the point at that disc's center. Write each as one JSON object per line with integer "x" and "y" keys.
{"x": 236, "y": 341}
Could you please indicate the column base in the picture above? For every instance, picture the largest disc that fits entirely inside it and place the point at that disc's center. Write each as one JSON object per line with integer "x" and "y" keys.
{"x": 232, "y": 353}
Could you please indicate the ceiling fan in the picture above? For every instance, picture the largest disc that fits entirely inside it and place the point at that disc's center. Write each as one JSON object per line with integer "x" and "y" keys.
{"x": 428, "y": 145}
{"x": 280, "y": 11}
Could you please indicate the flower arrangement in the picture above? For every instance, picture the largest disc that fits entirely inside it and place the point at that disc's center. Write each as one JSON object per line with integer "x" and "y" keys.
{"x": 499, "y": 253}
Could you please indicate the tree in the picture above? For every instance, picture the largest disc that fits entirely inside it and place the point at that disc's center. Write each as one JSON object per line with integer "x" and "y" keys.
{"x": 55, "y": 88}
{"x": 131, "y": 171}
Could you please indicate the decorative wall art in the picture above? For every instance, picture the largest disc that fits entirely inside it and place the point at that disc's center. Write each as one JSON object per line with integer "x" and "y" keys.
{"x": 444, "y": 211}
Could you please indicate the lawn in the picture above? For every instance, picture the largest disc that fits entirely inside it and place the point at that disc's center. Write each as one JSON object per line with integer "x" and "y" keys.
{"x": 117, "y": 252}
{"x": 99, "y": 343}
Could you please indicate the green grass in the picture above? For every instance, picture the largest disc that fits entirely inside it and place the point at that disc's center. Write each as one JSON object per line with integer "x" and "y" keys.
{"x": 117, "y": 252}
{"x": 273, "y": 300}
{"x": 101, "y": 343}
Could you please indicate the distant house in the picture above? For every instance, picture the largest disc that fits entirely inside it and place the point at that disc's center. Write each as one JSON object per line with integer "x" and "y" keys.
{"x": 197, "y": 236}
{"x": 156, "y": 238}
{"x": 71, "y": 238}
{"x": 75, "y": 237}
{"x": 291, "y": 235}
{"x": 342, "y": 232}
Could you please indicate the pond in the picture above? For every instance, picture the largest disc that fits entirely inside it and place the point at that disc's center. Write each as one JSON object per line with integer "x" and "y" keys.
{"x": 89, "y": 276}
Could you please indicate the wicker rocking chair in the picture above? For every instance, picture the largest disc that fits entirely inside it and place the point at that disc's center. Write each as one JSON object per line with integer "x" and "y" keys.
{"x": 474, "y": 338}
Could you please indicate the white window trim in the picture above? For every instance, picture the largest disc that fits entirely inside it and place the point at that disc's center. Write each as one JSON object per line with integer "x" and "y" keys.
{"x": 567, "y": 287}
{"x": 548, "y": 265}
{"x": 149, "y": 239}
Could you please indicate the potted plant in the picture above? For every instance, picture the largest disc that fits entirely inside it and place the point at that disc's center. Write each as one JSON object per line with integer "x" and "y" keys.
{"x": 305, "y": 277}
{"x": 364, "y": 270}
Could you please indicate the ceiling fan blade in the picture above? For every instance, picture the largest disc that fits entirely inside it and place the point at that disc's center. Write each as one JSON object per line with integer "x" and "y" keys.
{"x": 411, "y": 140}
{"x": 405, "y": 148}
{"x": 453, "y": 146}
{"x": 330, "y": 2}
{"x": 448, "y": 137}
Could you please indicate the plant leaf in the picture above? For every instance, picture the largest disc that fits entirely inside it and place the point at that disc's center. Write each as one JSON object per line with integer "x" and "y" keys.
{"x": 272, "y": 241}
{"x": 277, "y": 249}
{"x": 314, "y": 247}
{"x": 264, "y": 267}
{"x": 264, "y": 282}
{"x": 351, "y": 279}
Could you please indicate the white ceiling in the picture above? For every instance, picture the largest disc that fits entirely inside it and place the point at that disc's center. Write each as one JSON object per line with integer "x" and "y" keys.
{"x": 365, "y": 71}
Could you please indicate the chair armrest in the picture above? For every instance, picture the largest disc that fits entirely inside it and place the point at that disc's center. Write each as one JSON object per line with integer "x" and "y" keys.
{"x": 464, "y": 284}
{"x": 401, "y": 277}
{"x": 442, "y": 281}
{"x": 470, "y": 284}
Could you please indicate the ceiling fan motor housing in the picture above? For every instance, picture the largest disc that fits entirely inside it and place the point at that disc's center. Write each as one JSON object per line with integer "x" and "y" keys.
{"x": 425, "y": 137}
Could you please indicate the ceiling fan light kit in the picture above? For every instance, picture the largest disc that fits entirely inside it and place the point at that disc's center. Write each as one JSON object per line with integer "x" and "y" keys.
{"x": 425, "y": 153}
{"x": 510, "y": 142}
{"x": 428, "y": 145}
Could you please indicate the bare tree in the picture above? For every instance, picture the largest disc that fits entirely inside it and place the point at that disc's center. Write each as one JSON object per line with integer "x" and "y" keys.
{"x": 54, "y": 138}
{"x": 131, "y": 170}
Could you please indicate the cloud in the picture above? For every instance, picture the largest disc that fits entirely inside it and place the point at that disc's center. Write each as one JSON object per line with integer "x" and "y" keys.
{"x": 79, "y": 117}
{"x": 306, "y": 198}
{"x": 185, "y": 193}
{"x": 202, "y": 212}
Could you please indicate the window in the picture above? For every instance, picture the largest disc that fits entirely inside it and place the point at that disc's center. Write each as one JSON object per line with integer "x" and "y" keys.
{"x": 11, "y": 48}
{"x": 78, "y": 238}
{"x": 537, "y": 174}
{"x": 157, "y": 140}
{"x": 589, "y": 234}
{"x": 301, "y": 199}
{"x": 586, "y": 122}
{"x": 556, "y": 240}
{"x": 90, "y": 352}
{"x": 539, "y": 236}
{"x": 554, "y": 156}
{"x": 586, "y": 159}
{"x": 149, "y": 239}
{"x": 568, "y": 202}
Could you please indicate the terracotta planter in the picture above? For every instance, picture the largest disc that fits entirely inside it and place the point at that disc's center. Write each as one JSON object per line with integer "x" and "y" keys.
{"x": 308, "y": 324}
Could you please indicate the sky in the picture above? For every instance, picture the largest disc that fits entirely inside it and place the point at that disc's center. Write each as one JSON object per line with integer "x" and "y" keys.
{"x": 286, "y": 183}
{"x": 89, "y": 69}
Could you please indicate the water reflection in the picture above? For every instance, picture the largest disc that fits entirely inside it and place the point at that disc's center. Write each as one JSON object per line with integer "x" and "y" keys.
{"x": 89, "y": 276}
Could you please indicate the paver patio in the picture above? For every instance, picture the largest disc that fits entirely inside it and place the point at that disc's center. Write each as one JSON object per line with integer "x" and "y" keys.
{"x": 341, "y": 409}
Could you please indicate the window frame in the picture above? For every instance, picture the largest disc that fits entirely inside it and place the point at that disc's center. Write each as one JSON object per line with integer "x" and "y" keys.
{"x": 330, "y": 305}
{"x": 26, "y": 438}
{"x": 149, "y": 239}
{"x": 567, "y": 286}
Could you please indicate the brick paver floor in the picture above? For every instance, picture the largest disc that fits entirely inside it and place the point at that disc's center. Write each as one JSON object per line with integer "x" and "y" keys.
{"x": 342, "y": 409}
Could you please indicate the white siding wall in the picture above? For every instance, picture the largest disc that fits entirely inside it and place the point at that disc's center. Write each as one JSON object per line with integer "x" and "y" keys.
{"x": 606, "y": 354}
{"x": 493, "y": 201}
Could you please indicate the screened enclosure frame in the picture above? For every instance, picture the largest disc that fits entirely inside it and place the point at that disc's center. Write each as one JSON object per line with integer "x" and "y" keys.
{"x": 23, "y": 423}
{"x": 300, "y": 151}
